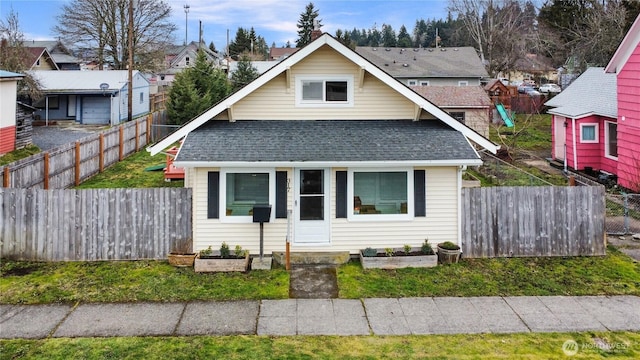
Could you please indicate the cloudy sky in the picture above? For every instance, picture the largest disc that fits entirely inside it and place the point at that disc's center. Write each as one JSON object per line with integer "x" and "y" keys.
{"x": 275, "y": 20}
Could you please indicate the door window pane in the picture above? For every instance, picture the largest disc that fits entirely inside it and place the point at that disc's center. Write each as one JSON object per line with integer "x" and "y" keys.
{"x": 312, "y": 207}
{"x": 311, "y": 182}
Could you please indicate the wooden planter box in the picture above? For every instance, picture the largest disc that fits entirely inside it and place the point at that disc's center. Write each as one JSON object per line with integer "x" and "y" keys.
{"x": 398, "y": 260}
{"x": 218, "y": 264}
{"x": 181, "y": 260}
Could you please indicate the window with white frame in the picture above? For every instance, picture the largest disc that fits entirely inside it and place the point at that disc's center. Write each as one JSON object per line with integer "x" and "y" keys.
{"x": 412, "y": 82}
{"x": 324, "y": 91}
{"x": 380, "y": 194}
{"x": 241, "y": 190}
{"x": 141, "y": 97}
{"x": 611, "y": 140}
{"x": 424, "y": 83}
{"x": 463, "y": 83}
{"x": 588, "y": 133}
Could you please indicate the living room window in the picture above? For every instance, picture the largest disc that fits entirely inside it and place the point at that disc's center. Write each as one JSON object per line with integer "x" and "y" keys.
{"x": 324, "y": 91}
{"x": 380, "y": 194}
{"x": 611, "y": 140}
{"x": 588, "y": 133}
{"x": 241, "y": 190}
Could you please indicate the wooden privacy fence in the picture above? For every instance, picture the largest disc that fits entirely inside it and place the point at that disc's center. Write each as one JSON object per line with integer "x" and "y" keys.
{"x": 533, "y": 221}
{"x": 94, "y": 224}
{"x": 70, "y": 164}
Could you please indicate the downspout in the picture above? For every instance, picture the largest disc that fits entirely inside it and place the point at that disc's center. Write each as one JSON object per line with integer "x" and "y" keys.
{"x": 575, "y": 152}
{"x": 565, "y": 146}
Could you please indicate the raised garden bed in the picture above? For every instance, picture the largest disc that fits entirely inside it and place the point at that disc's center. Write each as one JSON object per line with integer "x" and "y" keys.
{"x": 216, "y": 263}
{"x": 398, "y": 259}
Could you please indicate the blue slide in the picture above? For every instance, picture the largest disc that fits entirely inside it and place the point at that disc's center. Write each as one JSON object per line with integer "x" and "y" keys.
{"x": 504, "y": 115}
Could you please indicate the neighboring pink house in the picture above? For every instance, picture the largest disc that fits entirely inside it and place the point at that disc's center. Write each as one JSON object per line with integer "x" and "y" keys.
{"x": 596, "y": 120}
{"x": 625, "y": 64}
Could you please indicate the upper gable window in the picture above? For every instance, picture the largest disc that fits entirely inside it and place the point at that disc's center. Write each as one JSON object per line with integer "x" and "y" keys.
{"x": 327, "y": 91}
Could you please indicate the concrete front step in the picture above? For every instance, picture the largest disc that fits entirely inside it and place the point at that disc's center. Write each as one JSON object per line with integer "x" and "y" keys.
{"x": 313, "y": 258}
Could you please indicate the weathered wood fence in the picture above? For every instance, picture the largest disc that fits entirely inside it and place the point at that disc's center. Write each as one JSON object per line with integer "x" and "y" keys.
{"x": 95, "y": 224}
{"x": 70, "y": 164}
{"x": 533, "y": 221}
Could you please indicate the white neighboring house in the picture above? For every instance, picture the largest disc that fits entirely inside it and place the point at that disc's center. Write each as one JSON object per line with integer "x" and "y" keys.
{"x": 91, "y": 97}
{"x": 8, "y": 87}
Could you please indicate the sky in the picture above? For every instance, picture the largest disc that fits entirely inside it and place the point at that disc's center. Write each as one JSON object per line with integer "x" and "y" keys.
{"x": 275, "y": 20}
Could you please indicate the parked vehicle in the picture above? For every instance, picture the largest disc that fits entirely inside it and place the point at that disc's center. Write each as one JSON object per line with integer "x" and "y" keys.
{"x": 524, "y": 88}
{"x": 550, "y": 88}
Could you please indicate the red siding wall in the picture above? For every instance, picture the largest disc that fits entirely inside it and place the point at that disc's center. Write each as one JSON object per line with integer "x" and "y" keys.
{"x": 589, "y": 154}
{"x": 7, "y": 139}
{"x": 629, "y": 123}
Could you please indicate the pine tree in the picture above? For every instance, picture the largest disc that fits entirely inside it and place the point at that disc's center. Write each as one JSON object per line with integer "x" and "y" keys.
{"x": 306, "y": 26}
{"x": 404, "y": 39}
{"x": 196, "y": 89}
{"x": 388, "y": 36}
{"x": 244, "y": 74}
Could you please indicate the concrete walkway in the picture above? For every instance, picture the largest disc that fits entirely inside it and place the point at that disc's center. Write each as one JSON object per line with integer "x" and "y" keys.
{"x": 405, "y": 316}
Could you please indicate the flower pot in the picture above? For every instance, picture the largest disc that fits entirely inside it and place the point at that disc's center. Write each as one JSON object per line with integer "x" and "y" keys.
{"x": 398, "y": 260}
{"x": 446, "y": 256}
{"x": 216, "y": 263}
{"x": 181, "y": 260}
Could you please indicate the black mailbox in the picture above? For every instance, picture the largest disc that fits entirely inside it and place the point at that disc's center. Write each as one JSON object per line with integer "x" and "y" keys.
{"x": 261, "y": 213}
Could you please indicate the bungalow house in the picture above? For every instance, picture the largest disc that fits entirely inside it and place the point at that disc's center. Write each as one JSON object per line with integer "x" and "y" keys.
{"x": 428, "y": 66}
{"x": 178, "y": 58}
{"x": 354, "y": 156}
{"x": 469, "y": 105}
{"x": 596, "y": 120}
{"x": 8, "y": 89}
{"x": 39, "y": 58}
{"x": 91, "y": 97}
{"x": 62, "y": 57}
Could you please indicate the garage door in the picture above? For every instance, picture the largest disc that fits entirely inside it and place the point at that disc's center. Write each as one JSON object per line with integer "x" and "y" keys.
{"x": 96, "y": 110}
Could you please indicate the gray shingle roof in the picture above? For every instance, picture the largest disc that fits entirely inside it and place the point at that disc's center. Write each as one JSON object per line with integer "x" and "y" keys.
{"x": 593, "y": 92}
{"x": 324, "y": 141}
{"x": 441, "y": 62}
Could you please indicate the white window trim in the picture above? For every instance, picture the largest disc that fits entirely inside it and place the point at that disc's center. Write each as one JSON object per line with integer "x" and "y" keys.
{"x": 424, "y": 83}
{"x": 595, "y": 141}
{"x": 463, "y": 83}
{"x": 412, "y": 82}
{"x": 381, "y": 217}
{"x": 323, "y": 103}
{"x": 606, "y": 140}
{"x": 223, "y": 194}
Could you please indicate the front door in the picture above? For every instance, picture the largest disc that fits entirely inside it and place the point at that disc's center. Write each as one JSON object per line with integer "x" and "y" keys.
{"x": 560, "y": 136}
{"x": 311, "y": 206}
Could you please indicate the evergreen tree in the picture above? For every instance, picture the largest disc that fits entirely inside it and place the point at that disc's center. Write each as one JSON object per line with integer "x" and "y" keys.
{"x": 306, "y": 26}
{"x": 404, "y": 39}
{"x": 212, "y": 47}
{"x": 244, "y": 74}
{"x": 388, "y": 36}
{"x": 195, "y": 89}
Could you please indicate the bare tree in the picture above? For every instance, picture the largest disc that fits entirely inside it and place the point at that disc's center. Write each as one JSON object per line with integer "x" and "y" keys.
{"x": 13, "y": 56}
{"x": 103, "y": 25}
{"x": 498, "y": 28}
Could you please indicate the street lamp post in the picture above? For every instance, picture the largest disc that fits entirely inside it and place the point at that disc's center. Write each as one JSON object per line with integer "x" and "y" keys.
{"x": 186, "y": 18}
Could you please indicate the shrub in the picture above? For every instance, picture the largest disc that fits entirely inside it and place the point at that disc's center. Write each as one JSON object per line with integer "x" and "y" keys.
{"x": 448, "y": 245}
{"x": 369, "y": 252}
{"x": 224, "y": 250}
{"x": 426, "y": 248}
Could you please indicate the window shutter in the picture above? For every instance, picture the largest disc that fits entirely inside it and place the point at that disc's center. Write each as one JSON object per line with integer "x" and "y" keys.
{"x": 281, "y": 194}
{"x": 213, "y": 193}
{"x": 419, "y": 193}
{"x": 341, "y": 194}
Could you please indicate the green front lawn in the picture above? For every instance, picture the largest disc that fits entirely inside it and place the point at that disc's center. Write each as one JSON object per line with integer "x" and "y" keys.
{"x": 125, "y": 281}
{"x": 18, "y": 154}
{"x": 476, "y": 346}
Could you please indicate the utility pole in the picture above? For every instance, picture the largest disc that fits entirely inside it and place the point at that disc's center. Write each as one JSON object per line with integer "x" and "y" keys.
{"x": 186, "y": 22}
{"x": 130, "y": 65}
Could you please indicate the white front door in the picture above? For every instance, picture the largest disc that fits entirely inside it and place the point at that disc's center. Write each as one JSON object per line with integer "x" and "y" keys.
{"x": 311, "y": 206}
{"x": 560, "y": 136}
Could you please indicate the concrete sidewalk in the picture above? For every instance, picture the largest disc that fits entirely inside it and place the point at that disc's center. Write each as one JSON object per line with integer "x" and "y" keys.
{"x": 405, "y": 316}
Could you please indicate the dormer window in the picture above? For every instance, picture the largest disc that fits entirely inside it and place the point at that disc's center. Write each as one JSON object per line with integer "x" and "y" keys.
{"x": 324, "y": 91}
{"x": 187, "y": 60}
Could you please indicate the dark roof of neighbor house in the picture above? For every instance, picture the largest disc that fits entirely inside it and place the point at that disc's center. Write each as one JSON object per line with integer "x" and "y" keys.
{"x": 593, "y": 92}
{"x": 462, "y": 62}
{"x": 324, "y": 141}
{"x": 455, "y": 96}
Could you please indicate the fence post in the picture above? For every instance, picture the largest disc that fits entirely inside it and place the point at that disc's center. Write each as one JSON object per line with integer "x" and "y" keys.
{"x": 5, "y": 177}
{"x": 572, "y": 180}
{"x": 101, "y": 157}
{"x": 625, "y": 196}
{"x": 149, "y": 122}
{"x": 121, "y": 147}
{"x": 46, "y": 171}
{"x": 77, "y": 163}
{"x": 137, "y": 134}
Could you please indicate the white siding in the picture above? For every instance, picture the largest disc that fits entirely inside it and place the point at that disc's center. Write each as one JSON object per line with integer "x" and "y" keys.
{"x": 440, "y": 224}
{"x": 276, "y": 101}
